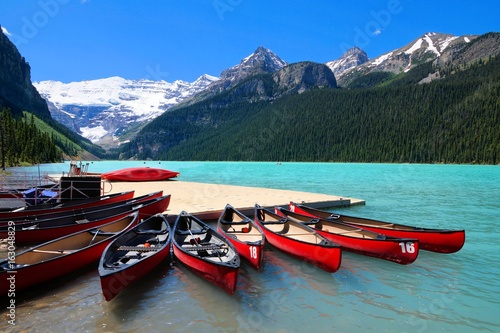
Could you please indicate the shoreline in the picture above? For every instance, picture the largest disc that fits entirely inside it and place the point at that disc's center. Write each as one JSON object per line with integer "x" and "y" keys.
{"x": 208, "y": 200}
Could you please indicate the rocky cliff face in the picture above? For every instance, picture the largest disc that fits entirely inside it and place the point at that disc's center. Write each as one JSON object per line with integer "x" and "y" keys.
{"x": 481, "y": 47}
{"x": 301, "y": 76}
{"x": 16, "y": 90}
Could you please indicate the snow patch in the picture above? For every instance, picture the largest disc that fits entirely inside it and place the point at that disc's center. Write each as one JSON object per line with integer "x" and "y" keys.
{"x": 381, "y": 59}
{"x": 93, "y": 133}
{"x": 415, "y": 46}
{"x": 430, "y": 44}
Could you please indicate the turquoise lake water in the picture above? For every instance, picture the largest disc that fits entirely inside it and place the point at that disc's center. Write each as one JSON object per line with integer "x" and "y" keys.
{"x": 437, "y": 293}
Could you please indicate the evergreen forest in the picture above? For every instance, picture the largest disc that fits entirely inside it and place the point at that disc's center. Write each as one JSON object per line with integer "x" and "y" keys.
{"x": 380, "y": 118}
{"x": 21, "y": 141}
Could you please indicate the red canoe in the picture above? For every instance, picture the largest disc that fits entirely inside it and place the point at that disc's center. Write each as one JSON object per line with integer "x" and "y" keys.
{"x": 81, "y": 212}
{"x": 435, "y": 240}
{"x": 246, "y": 235}
{"x": 139, "y": 174}
{"x": 133, "y": 254}
{"x": 59, "y": 257}
{"x": 354, "y": 239}
{"x": 49, "y": 229}
{"x": 206, "y": 252}
{"x": 67, "y": 206}
{"x": 299, "y": 240}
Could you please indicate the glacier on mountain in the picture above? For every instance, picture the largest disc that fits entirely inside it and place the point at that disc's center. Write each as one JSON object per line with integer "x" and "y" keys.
{"x": 107, "y": 107}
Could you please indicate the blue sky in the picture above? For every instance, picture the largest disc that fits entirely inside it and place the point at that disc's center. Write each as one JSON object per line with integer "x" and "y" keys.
{"x": 74, "y": 40}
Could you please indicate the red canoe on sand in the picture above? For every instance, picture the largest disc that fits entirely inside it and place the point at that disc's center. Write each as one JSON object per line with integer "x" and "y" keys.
{"x": 46, "y": 230}
{"x": 139, "y": 174}
{"x": 435, "y": 240}
{"x": 67, "y": 206}
{"x": 33, "y": 217}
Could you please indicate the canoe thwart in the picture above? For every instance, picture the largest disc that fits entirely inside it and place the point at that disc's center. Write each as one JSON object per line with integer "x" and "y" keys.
{"x": 54, "y": 251}
{"x": 236, "y": 223}
{"x": 137, "y": 248}
{"x": 205, "y": 247}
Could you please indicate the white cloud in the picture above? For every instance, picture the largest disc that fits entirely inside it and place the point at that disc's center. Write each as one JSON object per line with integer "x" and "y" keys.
{"x": 5, "y": 31}
{"x": 377, "y": 32}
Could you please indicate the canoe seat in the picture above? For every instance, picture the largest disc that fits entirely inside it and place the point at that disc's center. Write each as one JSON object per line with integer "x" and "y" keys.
{"x": 349, "y": 232}
{"x": 54, "y": 251}
{"x": 31, "y": 227}
{"x": 99, "y": 232}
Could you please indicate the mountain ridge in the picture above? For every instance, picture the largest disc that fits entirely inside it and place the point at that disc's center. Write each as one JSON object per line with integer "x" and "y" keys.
{"x": 427, "y": 47}
{"x": 103, "y": 128}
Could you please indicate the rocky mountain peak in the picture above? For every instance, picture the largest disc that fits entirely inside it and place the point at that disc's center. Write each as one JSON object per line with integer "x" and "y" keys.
{"x": 261, "y": 61}
{"x": 428, "y": 47}
{"x": 351, "y": 58}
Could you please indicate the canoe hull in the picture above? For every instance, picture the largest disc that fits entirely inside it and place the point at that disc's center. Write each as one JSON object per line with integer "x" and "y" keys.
{"x": 403, "y": 251}
{"x": 69, "y": 224}
{"x": 139, "y": 174}
{"x": 30, "y": 236}
{"x": 47, "y": 262}
{"x": 253, "y": 253}
{"x": 324, "y": 255}
{"x": 191, "y": 237}
{"x": 119, "y": 269}
{"x": 245, "y": 235}
{"x": 68, "y": 206}
{"x": 37, "y": 274}
{"x": 222, "y": 276}
{"x": 115, "y": 283}
{"x": 435, "y": 240}
{"x": 326, "y": 258}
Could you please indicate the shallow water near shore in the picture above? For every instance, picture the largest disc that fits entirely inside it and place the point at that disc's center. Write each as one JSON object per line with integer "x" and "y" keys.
{"x": 438, "y": 292}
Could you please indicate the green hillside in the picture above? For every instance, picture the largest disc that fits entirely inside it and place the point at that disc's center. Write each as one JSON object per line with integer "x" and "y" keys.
{"x": 31, "y": 140}
{"x": 452, "y": 120}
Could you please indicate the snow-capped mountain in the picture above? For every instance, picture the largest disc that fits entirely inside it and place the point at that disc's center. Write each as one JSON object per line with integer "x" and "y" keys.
{"x": 107, "y": 107}
{"x": 351, "y": 58}
{"x": 425, "y": 48}
{"x": 262, "y": 60}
